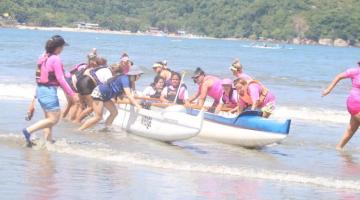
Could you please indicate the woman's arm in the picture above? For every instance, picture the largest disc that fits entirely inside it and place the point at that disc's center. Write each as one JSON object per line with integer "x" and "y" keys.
{"x": 255, "y": 105}
{"x": 193, "y": 97}
{"x": 163, "y": 99}
{"x": 60, "y": 76}
{"x": 237, "y": 110}
{"x": 131, "y": 98}
{"x": 203, "y": 93}
{"x": 218, "y": 108}
{"x": 333, "y": 84}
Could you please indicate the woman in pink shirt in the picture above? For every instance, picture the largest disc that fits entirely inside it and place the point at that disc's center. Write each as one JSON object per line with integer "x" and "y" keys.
{"x": 207, "y": 86}
{"x": 229, "y": 97}
{"x": 253, "y": 95}
{"x": 125, "y": 63}
{"x": 353, "y": 102}
{"x": 237, "y": 70}
{"x": 49, "y": 76}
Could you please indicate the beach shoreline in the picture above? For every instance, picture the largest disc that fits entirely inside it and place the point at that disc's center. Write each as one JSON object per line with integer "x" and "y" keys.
{"x": 107, "y": 31}
{"x": 294, "y": 41}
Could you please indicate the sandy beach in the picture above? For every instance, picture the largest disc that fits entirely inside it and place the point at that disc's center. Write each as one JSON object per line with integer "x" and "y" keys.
{"x": 107, "y": 31}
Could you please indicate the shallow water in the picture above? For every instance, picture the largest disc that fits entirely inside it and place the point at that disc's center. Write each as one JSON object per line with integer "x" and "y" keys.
{"x": 98, "y": 165}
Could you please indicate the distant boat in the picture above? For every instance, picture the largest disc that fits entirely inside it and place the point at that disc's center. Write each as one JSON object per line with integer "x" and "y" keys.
{"x": 264, "y": 46}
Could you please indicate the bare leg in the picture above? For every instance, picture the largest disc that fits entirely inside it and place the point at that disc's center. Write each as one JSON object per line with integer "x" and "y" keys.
{"x": 82, "y": 106}
{"x": 350, "y": 131}
{"x": 74, "y": 109}
{"x": 69, "y": 104}
{"x": 89, "y": 109}
{"x": 48, "y": 134}
{"x": 110, "y": 106}
{"x": 98, "y": 107}
{"x": 51, "y": 119}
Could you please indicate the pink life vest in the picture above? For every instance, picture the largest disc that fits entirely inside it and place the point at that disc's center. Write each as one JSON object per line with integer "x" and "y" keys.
{"x": 230, "y": 101}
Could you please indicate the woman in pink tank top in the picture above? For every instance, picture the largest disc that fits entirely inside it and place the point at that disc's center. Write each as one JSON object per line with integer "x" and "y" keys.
{"x": 353, "y": 102}
{"x": 208, "y": 86}
{"x": 237, "y": 70}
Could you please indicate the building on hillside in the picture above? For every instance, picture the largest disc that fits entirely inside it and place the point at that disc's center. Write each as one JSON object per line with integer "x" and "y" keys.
{"x": 7, "y": 20}
{"x": 181, "y": 32}
{"x": 155, "y": 31}
{"x": 84, "y": 25}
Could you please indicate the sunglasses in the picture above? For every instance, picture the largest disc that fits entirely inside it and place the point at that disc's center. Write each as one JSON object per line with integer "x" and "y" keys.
{"x": 195, "y": 78}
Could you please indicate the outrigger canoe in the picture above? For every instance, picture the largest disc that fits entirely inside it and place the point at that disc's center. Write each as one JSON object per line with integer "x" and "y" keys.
{"x": 248, "y": 129}
{"x": 167, "y": 125}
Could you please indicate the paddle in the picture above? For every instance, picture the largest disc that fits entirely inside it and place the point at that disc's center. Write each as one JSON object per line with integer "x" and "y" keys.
{"x": 147, "y": 98}
{"x": 180, "y": 85}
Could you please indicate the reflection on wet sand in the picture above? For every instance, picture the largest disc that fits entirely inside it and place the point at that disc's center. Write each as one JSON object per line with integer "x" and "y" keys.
{"x": 40, "y": 175}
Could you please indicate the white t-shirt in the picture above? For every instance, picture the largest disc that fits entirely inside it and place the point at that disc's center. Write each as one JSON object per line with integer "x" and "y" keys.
{"x": 149, "y": 91}
{"x": 103, "y": 74}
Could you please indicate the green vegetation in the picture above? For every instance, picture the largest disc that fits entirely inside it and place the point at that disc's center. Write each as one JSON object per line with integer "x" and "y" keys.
{"x": 277, "y": 19}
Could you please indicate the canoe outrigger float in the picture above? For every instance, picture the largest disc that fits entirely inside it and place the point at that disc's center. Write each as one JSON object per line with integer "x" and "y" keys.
{"x": 166, "y": 125}
{"x": 248, "y": 129}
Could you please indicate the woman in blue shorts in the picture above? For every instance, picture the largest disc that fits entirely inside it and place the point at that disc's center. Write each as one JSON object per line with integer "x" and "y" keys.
{"x": 103, "y": 94}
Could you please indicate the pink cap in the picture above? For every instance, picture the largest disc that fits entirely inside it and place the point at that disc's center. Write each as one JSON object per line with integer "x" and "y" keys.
{"x": 124, "y": 57}
{"x": 226, "y": 81}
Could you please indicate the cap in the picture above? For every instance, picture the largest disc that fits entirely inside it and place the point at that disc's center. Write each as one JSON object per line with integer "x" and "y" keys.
{"x": 198, "y": 72}
{"x": 124, "y": 57}
{"x": 58, "y": 40}
{"x": 157, "y": 64}
{"x": 236, "y": 65}
{"x": 226, "y": 81}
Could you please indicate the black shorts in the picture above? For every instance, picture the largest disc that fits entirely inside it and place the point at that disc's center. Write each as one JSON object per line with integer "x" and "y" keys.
{"x": 85, "y": 85}
{"x": 70, "y": 83}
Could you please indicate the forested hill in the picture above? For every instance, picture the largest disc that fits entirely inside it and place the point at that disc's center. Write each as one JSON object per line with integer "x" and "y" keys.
{"x": 277, "y": 19}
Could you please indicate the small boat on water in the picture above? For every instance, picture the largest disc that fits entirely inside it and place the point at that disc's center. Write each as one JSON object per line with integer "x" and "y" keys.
{"x": 248, "y": 129}
{"x": 165, "y": 125}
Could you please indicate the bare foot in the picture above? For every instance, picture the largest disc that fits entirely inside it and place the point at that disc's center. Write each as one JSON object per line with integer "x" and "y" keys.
{"x": 76, "y": 122}
{"x": 339, "y": 148}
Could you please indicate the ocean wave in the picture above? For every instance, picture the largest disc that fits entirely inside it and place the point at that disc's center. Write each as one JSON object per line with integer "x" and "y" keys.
{"x": 311, "y": 114}
{"x": 101, "y": 152}
{"x": 20, "y": 92}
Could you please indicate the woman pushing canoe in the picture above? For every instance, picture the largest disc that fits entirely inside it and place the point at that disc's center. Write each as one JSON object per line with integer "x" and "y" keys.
{"x": 50, "y": 75}
{"x": 208, "y": 86}
{"x": 96, "y": 76}
{"x": 74, "y": 108}
{"x": 254, "y": 95}
{"x": 353, "y": 102}
{"x": 103, "y": 94}
{"x": 229, "y": 97}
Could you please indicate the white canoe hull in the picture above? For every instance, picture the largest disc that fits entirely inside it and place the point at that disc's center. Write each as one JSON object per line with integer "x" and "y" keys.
{"x": 166, "y": 125}
{"x": 238, "y": 136}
